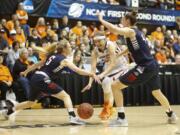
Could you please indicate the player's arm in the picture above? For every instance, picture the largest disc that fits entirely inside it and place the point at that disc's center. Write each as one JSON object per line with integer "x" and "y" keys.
{"x": 93, "y": 70}
{"x": 112, "y": 55}
{"x": 124, "y": 52}
{"x": 93, "y": 65}
{"x": 127, "y": 32}
{"x": 32, "y": 68}
{"x": 70, "y": 65}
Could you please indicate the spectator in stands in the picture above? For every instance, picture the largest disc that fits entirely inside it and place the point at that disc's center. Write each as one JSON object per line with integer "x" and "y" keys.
{"x": 23, "y": 18}
{"x": 176, "y": 46}
{"x": 5, "y": 79}
{"x": 158, "y": 35}
{"x": 164, "y": 29}
{"x": 177, "y": 59}
{"x": 32, "y": 57}
{"x": 13, "y": 55}
{"x": 35, "y": 38}
{"x": 78, "y": 29}
{"x": 84, "y": 50}
{"x": 20, "y": 66}
{"x": 64, "y": 35}
{"x": 170, "y": 4}
{"x": 55, "y": 26}
{"x": 41, "y": 27}
{"x": 113, "y": 2}
{"x": 77, "y": 60}
{"x": 161, "y": 56}
{"x": 64, "y": 25}
{"x": 12, "y": 37}
{"x": 20, "y": 37}
{"x": 3, "y": 43}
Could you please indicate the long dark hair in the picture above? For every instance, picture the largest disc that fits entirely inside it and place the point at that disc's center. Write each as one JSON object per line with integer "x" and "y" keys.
{"x": 132, "y": 16}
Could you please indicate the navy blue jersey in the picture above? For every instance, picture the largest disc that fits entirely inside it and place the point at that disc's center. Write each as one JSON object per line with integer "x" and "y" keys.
{"x": 52, "y": 64}
{"x": 139, "y": 49}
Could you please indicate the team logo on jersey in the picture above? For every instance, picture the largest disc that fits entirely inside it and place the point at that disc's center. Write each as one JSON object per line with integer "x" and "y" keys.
{"x": 76, "y": 10}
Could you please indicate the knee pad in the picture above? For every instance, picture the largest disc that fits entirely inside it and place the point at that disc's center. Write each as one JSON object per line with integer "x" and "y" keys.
{"x": 106, "y": 84}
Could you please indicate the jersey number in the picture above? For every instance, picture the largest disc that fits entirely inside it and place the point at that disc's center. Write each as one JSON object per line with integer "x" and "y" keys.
{"x": 50, "y": 60}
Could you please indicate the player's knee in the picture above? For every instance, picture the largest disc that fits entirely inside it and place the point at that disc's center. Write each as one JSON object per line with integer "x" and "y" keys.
{"x": 156, "y": 92}
{"x": 65, "y": 96}
{"x": 106, "y": 85}
{"x": 30, "y": 103}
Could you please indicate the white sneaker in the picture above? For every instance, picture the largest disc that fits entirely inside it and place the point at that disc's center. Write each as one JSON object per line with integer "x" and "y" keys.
{"x": 76, "y": 121}
{"x": 118, "y": 123}
{"x": 4, "y": 113}
{"x": 173, "y": 119}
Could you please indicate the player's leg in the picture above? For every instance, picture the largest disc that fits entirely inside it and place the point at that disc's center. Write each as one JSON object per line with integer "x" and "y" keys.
{"x": 154, "y": 83}
{"x": 132, "y": 77}
{"x": 108, "y": 109}
{"x": 117, "y": 88}
{"x": 60, "y": 94}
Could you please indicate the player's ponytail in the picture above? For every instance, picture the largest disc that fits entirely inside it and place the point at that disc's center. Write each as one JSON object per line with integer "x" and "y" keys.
{"x": 132, "y": 16}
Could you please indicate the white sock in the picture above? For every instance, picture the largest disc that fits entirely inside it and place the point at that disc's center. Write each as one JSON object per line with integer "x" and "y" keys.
{"x": 120, "y": 109}
{"x": 70, "y": 109}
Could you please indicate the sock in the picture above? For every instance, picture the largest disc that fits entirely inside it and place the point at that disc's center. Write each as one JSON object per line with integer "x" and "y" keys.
{"x": 121, "y": 113}
{"x": 71, "y": 112}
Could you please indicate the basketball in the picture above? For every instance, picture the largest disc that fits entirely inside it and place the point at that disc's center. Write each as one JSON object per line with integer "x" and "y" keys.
{"x": 85, "y": 110}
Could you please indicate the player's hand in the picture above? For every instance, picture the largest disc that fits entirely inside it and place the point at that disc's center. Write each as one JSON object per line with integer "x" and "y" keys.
{"x": 87, "y": 87}
{"x": 96, "y": 78}
{"x": 100, "y": 16}
{"x": 100, "y": 76}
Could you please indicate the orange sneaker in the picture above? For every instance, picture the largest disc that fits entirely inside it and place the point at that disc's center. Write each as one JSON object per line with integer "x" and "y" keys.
{"x": 106, "y": 111}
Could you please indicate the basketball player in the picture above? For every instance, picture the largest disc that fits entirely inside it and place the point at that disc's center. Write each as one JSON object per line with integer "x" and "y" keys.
{"x": 41, "y": 82}
{"x": 107, "y": 51}
{"x": 146, "y": 70}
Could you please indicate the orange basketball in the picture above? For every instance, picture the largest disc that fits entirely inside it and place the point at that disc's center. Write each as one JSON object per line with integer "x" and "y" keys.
{"x": 85, "y": 110}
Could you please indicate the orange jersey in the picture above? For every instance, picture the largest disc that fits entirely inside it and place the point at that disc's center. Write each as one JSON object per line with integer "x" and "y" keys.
{"x": 5, "y": 74}
{"x": 23, "y": 16}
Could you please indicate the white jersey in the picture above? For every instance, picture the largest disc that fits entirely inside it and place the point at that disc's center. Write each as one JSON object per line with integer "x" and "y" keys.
{"x": 121, "y": 62}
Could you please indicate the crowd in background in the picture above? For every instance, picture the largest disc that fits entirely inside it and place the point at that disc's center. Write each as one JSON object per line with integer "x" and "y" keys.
{"x": 162, "y": 4}
{"x": 18, "y": 39}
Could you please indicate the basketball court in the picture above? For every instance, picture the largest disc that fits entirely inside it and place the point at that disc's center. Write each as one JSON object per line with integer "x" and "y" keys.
{"x": 142, "y": 121}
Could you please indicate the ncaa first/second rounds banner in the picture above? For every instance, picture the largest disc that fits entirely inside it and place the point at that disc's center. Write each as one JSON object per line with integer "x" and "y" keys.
{"x": 87, "y": 11}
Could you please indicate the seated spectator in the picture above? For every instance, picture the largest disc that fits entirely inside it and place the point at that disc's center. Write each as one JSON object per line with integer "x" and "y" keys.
{"x": 35, "y": 38}
{"x": 64, "y": 25}
{"x": 158, "y": 35}
{"x": 176, "y": 46}
{"x": 20, "y": 66}
{"x": 13, "y": 55}
{"x": 55, "y": 26}
{"x": 5, "y": 79}
{"x": 20, "y": 37}
{"x": 12, "y": 37}
{"x": 3, "y": 43}
{"x": 78, "y": 29}
{"x": 23, "y": 18}
{"x": 32, "y": 57}
{"x": 41, "y": 27}
{"x": 84, "y": 50}
{"x": 161, "y": 56}
{"x": 77, "y": 60}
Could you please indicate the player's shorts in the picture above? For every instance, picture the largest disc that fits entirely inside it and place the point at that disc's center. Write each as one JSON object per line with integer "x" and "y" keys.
{"x": 41, "y": 83}
{"x": 140, "y": 75}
